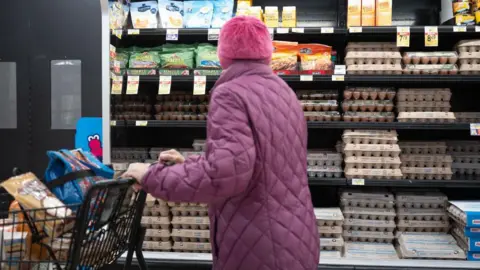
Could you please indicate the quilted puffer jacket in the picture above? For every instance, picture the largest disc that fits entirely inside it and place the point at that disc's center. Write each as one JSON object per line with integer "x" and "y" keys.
{"x": 253, "y": 174}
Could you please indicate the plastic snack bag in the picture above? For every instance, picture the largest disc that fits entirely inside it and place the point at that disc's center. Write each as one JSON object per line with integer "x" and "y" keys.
{"x": 144, "y": 59}
{"x": 315, "y": 57}
{"x": 284, "y": 55}
{"x": 144, "y": 14}
{"x": 222, "y": 12}
{"x": 171, "y": 14}
{"x": 177, "y": 60}
{"x": 118, "y": 14}
{"x": 198, "y": 14}
{"x": 206, "y": 57}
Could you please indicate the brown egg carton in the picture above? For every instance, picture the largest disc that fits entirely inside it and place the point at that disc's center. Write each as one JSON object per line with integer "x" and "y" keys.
{"x": 322, "y": 116}
{"x": 177, "y": 106}
{"x": 132, "y": 116}
{"x": 330, "y": 231}
{"x": 317, "y": 158}
{"x": 157, "y": 235}
{"x": 325, "y": 171}
{"x": 182, "y": 235}
{"x": 463, "y": 147}
{"x": 374, "y": 69}
{"x": 329, "y": 216}
{"x": 367, "y": 236}
{"x": 452, "y": 253}
{"x": 423, "y": 106}
{"x": 470, "y": 69}
{"x": 422, "y": 214}
{"x": 156, "y": 245}
{"x": 427, "y": 173}
{"x": 192, "y": 247}
{"x": 466, "y": 168}
{"x": 371, "y": 150}
{"x": 317, "y": 94}
{"x": 192, "y": 223}
{"x": 366, "y": 203}
{"x": 467, "y": 117}
{"x": 369, "y": 194}
{"x": 189, "y": 211}
{"x": 372, "y": 46}
{"x": 423, "y": 147}
{"x": 367, "y": 105}
{"x": 372, "y": 163}
{"x": 368, "y": 213}
{"x": 426, "y": 117}
{"x": 466, "y": 157}
{"x": 426, "y": 160}
{"x": 432, "y": 58}
{"x": 156, "y": 210}
{"x": 375, "y": 174}
{"x": 370, "y": 251}
{"x": 133, "y": 106}
{"x": 447, "y": 69}
{"x": 331, "y": 243}
{"x": 369, "y": 225}
{"x": 469, "y": 58}
{"x": 424, "y": 94}
{"x": 423, "y": 226}
{"x": 319, "y": 105}
{"x": 369, "y": 137}
{"x": 177, "y": 116}
{"x": 182, "y": 96}
{"x": 471, "y": 46}
{"x": 426, "y": 195}
{"x": 150, "y": 222}
{"x": 367, "y": 93}
{"x": 370, "y": 132}
{"x": 373, "y": 58}
{"x": 369, "y": 117}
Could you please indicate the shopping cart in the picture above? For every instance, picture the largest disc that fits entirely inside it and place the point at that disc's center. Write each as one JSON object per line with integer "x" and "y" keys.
{"x": 102, "y": 228}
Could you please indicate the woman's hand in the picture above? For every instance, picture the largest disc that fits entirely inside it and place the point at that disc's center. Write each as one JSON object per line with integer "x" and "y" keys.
{"x": 136, "y": 171}
{"x": 171, "y": 156}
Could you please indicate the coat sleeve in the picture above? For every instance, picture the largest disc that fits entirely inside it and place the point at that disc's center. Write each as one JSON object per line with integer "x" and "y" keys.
{"x": 227, "y": 166}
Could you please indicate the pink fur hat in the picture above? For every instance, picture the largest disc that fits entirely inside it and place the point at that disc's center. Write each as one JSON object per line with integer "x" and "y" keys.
{"x": 244, "y": 38}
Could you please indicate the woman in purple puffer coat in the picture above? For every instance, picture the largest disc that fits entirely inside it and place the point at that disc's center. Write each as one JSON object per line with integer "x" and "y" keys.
{"x": 254, "y": 172}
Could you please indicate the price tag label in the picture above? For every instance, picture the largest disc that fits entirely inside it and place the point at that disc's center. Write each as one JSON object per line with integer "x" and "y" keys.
{"x": 113, "y": 123}
{"x": 475, "y": 129}
{"x": 199, "y": 85}
{"x": 457, "y": 29}
{"x": 117, "y": 85}
{"x": 431, "y": 36}
{"x": 172, "y": 34}
{"x": 340, "y": 70}
{"x": 120, "y": 166}
{"x": 270, "y": 30}
{"x": 403, "y": 36}
{"x": 141, "y": 123}
{"x": 306, "y": 78}
{"x": 355, "y": 29}
{"x": 165, "y": 84}
{"x": 358, "y": 182}
{"x": 477, "y": 28}
{"x": 113, "y": 51}
{"x": 282, "y": 30}
{"x": 338, "y": 78}
{"x": 118, "y": 33}
{"x": 213, "y": 34}
{"x": 328, "y": 30}
{"x": 116, "y": 66}
{"x": 132, "y": 85}
{"x": 298, "y": 30}
{"x": 133, "y": 32}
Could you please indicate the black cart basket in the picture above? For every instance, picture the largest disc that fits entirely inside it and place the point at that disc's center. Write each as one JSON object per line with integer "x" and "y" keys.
{"x": 97, "y": 233}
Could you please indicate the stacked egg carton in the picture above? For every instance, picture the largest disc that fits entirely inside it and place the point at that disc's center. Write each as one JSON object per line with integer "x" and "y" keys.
{"x": 442, "y": 63}
{"x": 467, "y": 117}
{"x": 429, "y": 246}
{"x": 469, "y": 51}
{"x": 425, "y": 160}
{"x": 424, "y": 100}
{"x": 156, "y": 219}
{"x": 324, "y": 163}
{"x": 319, "y": 105}
{"x": 466, "y": 157}
{"x": 373, "y": 58}
{"x": 369, "y": 216}
{"x": 368, "y": 104}
{"x": 370, "y": 251}
{"x": 372, "y": 154}
{"x": 330, "y": 222}
{"x": 466, "y": 229}
{"x": 190, "y": 231}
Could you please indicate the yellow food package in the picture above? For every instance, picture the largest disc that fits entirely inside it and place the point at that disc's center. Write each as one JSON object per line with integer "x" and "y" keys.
{"x": 384, "y": 13}
{"x": 255, "y": 12}
{"x": 464, "y": 19}
{"x": 289, "y": 16}
{"x": 368, "y": 12}
{"x": 284, "y": 56}
{"x": 243, "y": 8}
{"x": 315, "y": 57}
{"x": 354, "y": 13}
{"x": 271, "y": 16}
{"x": 477, "y": 17}
{"x": 461, "y": 8}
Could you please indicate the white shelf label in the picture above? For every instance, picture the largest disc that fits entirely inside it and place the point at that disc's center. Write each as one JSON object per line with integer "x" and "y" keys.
{"x": 358, "y": 182}
{"x": 141, "y": 123}
{"x": 328, "y": 30}
{"x": 133, "y": 31}
{"x": 118, "y": 33}
{"x": 338, "y": 78}
{"x": 213, "y": 34}
{"x": 199, "y": 85}
{"x": 355, "y": 29}
{"x": 132, "y": 85}
{"x": 270, "y": 30}
{"x": 306, "y": 78}
{"x": 459, "y": 29}
{"x": 340, "y": 70}
{"x": 475, "y": 129}
{"x": 113, "y": 123}
{"x": 298, "y": 30}
{"x": 164, "y": 85}
{"x": 431, "y": 36}
{"x": 477, "y": 28}
{"x": 117, "y": 85}
{"x": 282, "y": 30}
{"x": 172, "y": 34}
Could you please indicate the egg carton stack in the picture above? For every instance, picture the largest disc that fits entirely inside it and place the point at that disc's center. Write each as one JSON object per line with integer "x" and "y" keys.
{"x": 128, "y": 155}
{"x": 324, "y": 163}
{"x": 466, "y": 226}
{"x": 373, "y": 58}
{"x": 329, "y": 223}
{"x": 466, "y": 157}
{"x": 469, "y": 51}
{"x": 368, "y": 105}
{"x": 426, "y": 117}
{"x": 425, "y": 160}
{"x": 190, "y": 227}
{"x": 372, "y": 154}
{"x": 156, "y": 220}
{"x": 467, "y": 117}
{"x": 429, "y": 246}
{"x": 443, "y": 63}
{"x": 319, "y": 105}
{"x": 369, "y": 216}
{"x": 424, "y": 100}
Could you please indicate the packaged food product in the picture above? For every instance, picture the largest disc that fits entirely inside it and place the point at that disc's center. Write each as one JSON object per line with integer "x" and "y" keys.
{"x": 222, "y": 12}
{"x": 447, "y": 69}
{"x": 471, "y": 46}
{"x": 423, "y": 106}
{"x": 456, "y": 147}
{"x": 192, "y": 247}
{"x": 271, "y": 16}
{"x": 423, "y": 147}
{"x": 373, "y": 58}
{"x": 420, "y": 199}
{"x": 177, "y": 60}
{"x": 354, "y": 13}
{"x": 324, "y": 171}
{"x": 373, "y": 251}
{"x": 372, "y": 46}
{"x": 469, "y": 158}
{"x": 466, "y": 168}
{"x": 330, "y": 231}
{"x": 289, "y": 16}
{"x": 189, "y": 211}
{"x": 143, "y": 59}
{"x": 284, "y": 55}
{"x": 368, "y": 236}
{"x": 242, "y": 7}
{"x": 329, "y": 216}
{"x": 373, "y": 173}
{"x": 182, "y": 235}
{"x": 461, "y": 7}
{"x": 331, "y": 243}
{"x": 470, "y": 69}
{"x": 368, "y": 213}
{"x": 368, "y": 12}
{"x": 464, "y": 19}
{"x": 372, "y": 163}
{"x": 118, "y": 14}
{"x": 424, "y": 94}
{"x": 369, "y": 137}
{"x": 121, "y": 58}
{"x": 171, "y": 13}
{"x": 428, "y": 173}
{"x": 206, "y": 57}
{"x": 157, "y": 235}
{"x": 374, "y": 69}
{"x": 322, "y": 158}
{"x": 198, "y": 14}
{"x": 384, "y": 13}
{"x": 469, "y": 58}
{"x": 411, "y": 247}
{"x": 374, "y": 195}
{"x": 368, "y": 117}
{"x": 315, "y": 57}
{"x": 150, "y": 222}
{"x": 156, "y": 246}
{"x": 319, "y": 105}
{"x": 434, "y": 58}
{"x": 144, "y": 14}
{"x": 193, "y": 223}
{"x": 373, "y": 150}
{"x": 419, "y": 214}
{"x": 256, "y": 11}
{"x": 367, "y": 105}
{"x": 432, "y": 161}
{"x": 426, "y": 117}
{"x": 317, "y": 94}
{"x": 369, "y": 93}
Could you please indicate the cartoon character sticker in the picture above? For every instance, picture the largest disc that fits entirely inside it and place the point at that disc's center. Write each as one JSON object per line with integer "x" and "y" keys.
{"x": 95, "y": 145}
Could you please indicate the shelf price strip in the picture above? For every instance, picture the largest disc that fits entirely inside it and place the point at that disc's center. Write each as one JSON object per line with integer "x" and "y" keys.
{"x": 117, "y": 84}
{"x": 298, "y": 30}
{"x": 213, "y": 34}
{"x": 141, "y": 123}
{"x": 306, "y": 78}
{"x": 199, "y": 85}
{"x": 327, "y": 30}
{"x": 355, "y": 29}
{"x": 477, "y": 28}
{"x": 431, "y": 36}
{"x": 172, "y": 34}
{"x": 457, "y": 29}
{"x": 475, "y": 129}
{"x": 282, "y": 30}
{"x": 338, "y": 78}
{"x": 164, "y": 85}
{"x": 358, "y": 182}
{"x": 133, "y": 32}
{"x": 403, "y": 36}
{"x": 132, "y": 85}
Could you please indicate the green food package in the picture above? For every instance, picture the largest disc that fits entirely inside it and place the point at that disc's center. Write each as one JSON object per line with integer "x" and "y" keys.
{"x": 146, "y": 59}
{"x": 182, "y": 59}
{"x": 207, "y": 57}
{"x": 169, "y": 47}
{"x": 122, "y": 58}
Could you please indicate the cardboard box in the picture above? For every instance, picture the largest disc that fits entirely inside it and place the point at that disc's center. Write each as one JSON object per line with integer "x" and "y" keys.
{"x": 354, "y": 14}
{"x": 271, "y": 16}
{"x": 289, "y": 16}
{"x": 384, "y": 13}
{"x": 368, "y": 12}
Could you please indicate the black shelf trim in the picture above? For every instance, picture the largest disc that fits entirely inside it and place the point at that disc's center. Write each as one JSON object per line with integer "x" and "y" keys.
{"x": 460, "y": 182}
{"x": 416, "y": 29}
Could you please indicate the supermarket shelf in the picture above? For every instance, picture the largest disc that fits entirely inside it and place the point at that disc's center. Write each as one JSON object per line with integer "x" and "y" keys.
{"x": 163, "y": 259}
{"x": 327, "y": 181}
{"x": 442, "y": 29}
{"x": 456, "y": 182}
{"x": 213, "y": 78}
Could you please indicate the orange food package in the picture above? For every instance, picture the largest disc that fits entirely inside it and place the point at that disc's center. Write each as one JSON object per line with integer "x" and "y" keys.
{"x": 315, "y": 57}
{"x": 284, "y": 55}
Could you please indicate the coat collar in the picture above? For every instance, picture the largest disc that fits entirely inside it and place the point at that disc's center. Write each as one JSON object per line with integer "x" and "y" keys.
{"x": 241, "y": 68}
